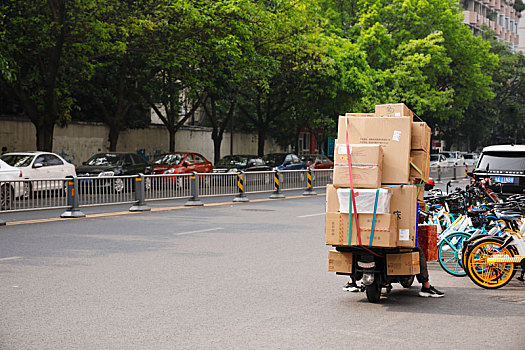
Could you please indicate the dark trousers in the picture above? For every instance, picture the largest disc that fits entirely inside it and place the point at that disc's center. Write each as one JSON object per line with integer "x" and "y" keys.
{"x": 422, "y": 277}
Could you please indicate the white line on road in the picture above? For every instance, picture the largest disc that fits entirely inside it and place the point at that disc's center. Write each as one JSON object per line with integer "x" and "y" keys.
{"x": 10, "y": 258}
{"x": 307, "y": 216}
{"x": 200, "y": 231}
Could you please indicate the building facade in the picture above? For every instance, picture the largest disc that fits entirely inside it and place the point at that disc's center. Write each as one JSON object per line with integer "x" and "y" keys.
{"x": 497, "y": 15}
{"x": 521, "y": 33}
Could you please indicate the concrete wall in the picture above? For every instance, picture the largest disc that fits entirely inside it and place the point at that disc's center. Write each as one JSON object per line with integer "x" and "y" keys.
{"x": 78, "y": 141}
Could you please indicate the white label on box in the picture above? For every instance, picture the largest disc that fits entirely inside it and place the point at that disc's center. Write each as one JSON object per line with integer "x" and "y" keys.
{"x": 397, "y": 114}
{"x": 404, "y": 235}
{"x": 342, "y": 149}
{"x": 396, "y": 136}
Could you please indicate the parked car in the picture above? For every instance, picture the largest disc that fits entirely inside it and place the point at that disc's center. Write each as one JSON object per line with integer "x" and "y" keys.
{"x": 284, "y": 161}
{"x": 114, "y": 164}
{"x": 438, "y": 159}
{"x": 181, "y": 163}
{"x": 454, "y": 158}
{"x": 40, "y": 166}
{"x": 504, "y": 166}
{"x": 240, "y": 162}
{"x": 9, "y": 190}
{"x": 470, "y": 158}
{"x": 317, "y": 161}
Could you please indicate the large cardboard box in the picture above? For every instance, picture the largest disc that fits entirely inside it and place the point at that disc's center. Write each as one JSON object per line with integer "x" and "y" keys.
{"x": 340, "y": 261}
{"x": 366, "y": 161}
{"x": 393, "y": 134}
{"x": 419, "y": 165}
{"x": 420, "y": 136}
{"x": 393, "y": 110}
{"x": 403, "y": 205}
{"x": 385, "y": 230}
{"x": 403, "y": 264}
{"x": 332, "y": 200}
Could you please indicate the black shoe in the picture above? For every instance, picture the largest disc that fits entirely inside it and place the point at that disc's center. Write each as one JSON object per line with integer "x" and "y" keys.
{"x": 431, "y": 292}
{"x": 351, "y": 287}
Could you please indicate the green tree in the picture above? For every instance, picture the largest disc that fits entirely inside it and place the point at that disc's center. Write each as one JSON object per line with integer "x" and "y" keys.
{"x": 500, "y": 120}
{"x": 48, "y": 46}
{"x": 173, "y": 86}
{"x": 226, "y": 56}
{"x": 420, "y": 54}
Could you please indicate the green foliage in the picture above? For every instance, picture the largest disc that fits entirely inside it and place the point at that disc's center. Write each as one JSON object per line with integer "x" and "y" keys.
{"x": 279, "y": 66}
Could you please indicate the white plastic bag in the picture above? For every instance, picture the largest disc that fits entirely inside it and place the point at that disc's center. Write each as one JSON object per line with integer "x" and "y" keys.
{"x": 364, "y": 200}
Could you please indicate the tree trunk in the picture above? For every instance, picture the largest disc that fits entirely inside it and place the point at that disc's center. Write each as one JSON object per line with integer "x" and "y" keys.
{"x": 217, "y": 140}
{"x": 44, "y": 136}
{"x": 172, "y": 131}
{"x": 261, "y": 135}
{"x": 113, "y": 137}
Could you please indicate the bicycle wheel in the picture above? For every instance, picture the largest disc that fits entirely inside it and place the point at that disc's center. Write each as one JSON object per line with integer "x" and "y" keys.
{"x": 467, "y": 247}
{"x": 449, "y": 253}
{"x": 489, "y": 275}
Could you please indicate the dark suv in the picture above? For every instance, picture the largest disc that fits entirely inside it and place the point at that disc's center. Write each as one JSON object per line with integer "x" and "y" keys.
{"x": 504, "y": 166}
{"x": 114, "y": 164}
{"x": 240, "y": 162}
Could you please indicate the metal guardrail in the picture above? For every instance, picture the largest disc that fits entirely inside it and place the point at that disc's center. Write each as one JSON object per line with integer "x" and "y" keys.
{"x": 77, "y": 192}
{"x": 440, "y": 173}
{"x": 22, "y": 195}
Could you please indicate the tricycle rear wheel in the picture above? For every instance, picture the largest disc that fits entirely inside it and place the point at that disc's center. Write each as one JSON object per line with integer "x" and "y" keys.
{"x": 373, "y": 292}
{"x": 407, "y": 283}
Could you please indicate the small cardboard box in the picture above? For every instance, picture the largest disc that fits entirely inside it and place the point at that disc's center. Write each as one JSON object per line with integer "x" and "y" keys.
{"x": 419, "y": 165}
{"x": 385, "y": 230}
{"x": 393, "y": 110}
{"x": 404, "y": 264}
{"x": 362, "y": 176}
{"x": 393, "y": 134}
{"x": 340, "y": 261}
{"x": 403, "y": 205}
{"x": 427, "y": 240}
{"x": 420, "y": 136}
{"x": 359, "y": 154}
{"x": 366, "y": 161}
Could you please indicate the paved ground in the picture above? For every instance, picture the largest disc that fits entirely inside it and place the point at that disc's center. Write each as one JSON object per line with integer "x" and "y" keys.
{"x": 244, "y": 276}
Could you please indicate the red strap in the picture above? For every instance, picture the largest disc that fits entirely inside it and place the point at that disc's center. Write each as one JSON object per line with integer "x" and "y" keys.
{"x": 352, "y": 195}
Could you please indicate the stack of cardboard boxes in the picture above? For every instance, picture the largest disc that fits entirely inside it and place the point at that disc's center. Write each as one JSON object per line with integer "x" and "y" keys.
{"x": 389, "y": 156}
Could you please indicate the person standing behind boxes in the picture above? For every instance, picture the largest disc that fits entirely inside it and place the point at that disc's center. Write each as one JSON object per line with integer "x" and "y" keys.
{"x": 392, "y": 127}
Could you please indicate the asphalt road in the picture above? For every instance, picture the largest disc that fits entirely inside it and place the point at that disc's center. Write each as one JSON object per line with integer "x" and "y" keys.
{"x": 236, "y": 276}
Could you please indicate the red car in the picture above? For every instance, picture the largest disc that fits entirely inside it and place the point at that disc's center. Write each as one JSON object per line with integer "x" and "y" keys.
{"x": 181, "y": 163}
{"x": 317, "y": 161}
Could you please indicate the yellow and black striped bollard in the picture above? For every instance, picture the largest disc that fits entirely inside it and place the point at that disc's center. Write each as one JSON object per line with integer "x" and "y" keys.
{"x": 241, "y": 196}
{"x": 309, "y": 188}
{"x": 277, "y": 186}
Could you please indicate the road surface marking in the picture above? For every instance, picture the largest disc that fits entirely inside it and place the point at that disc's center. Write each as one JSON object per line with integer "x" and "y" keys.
{"x": 307, "y": 216}
{"x": 200, "y": 231}
{"x": 10, "y": 258}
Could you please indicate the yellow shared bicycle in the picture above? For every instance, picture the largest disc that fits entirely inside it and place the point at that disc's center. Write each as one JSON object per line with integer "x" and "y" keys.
{"x": 491, "y": 262}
